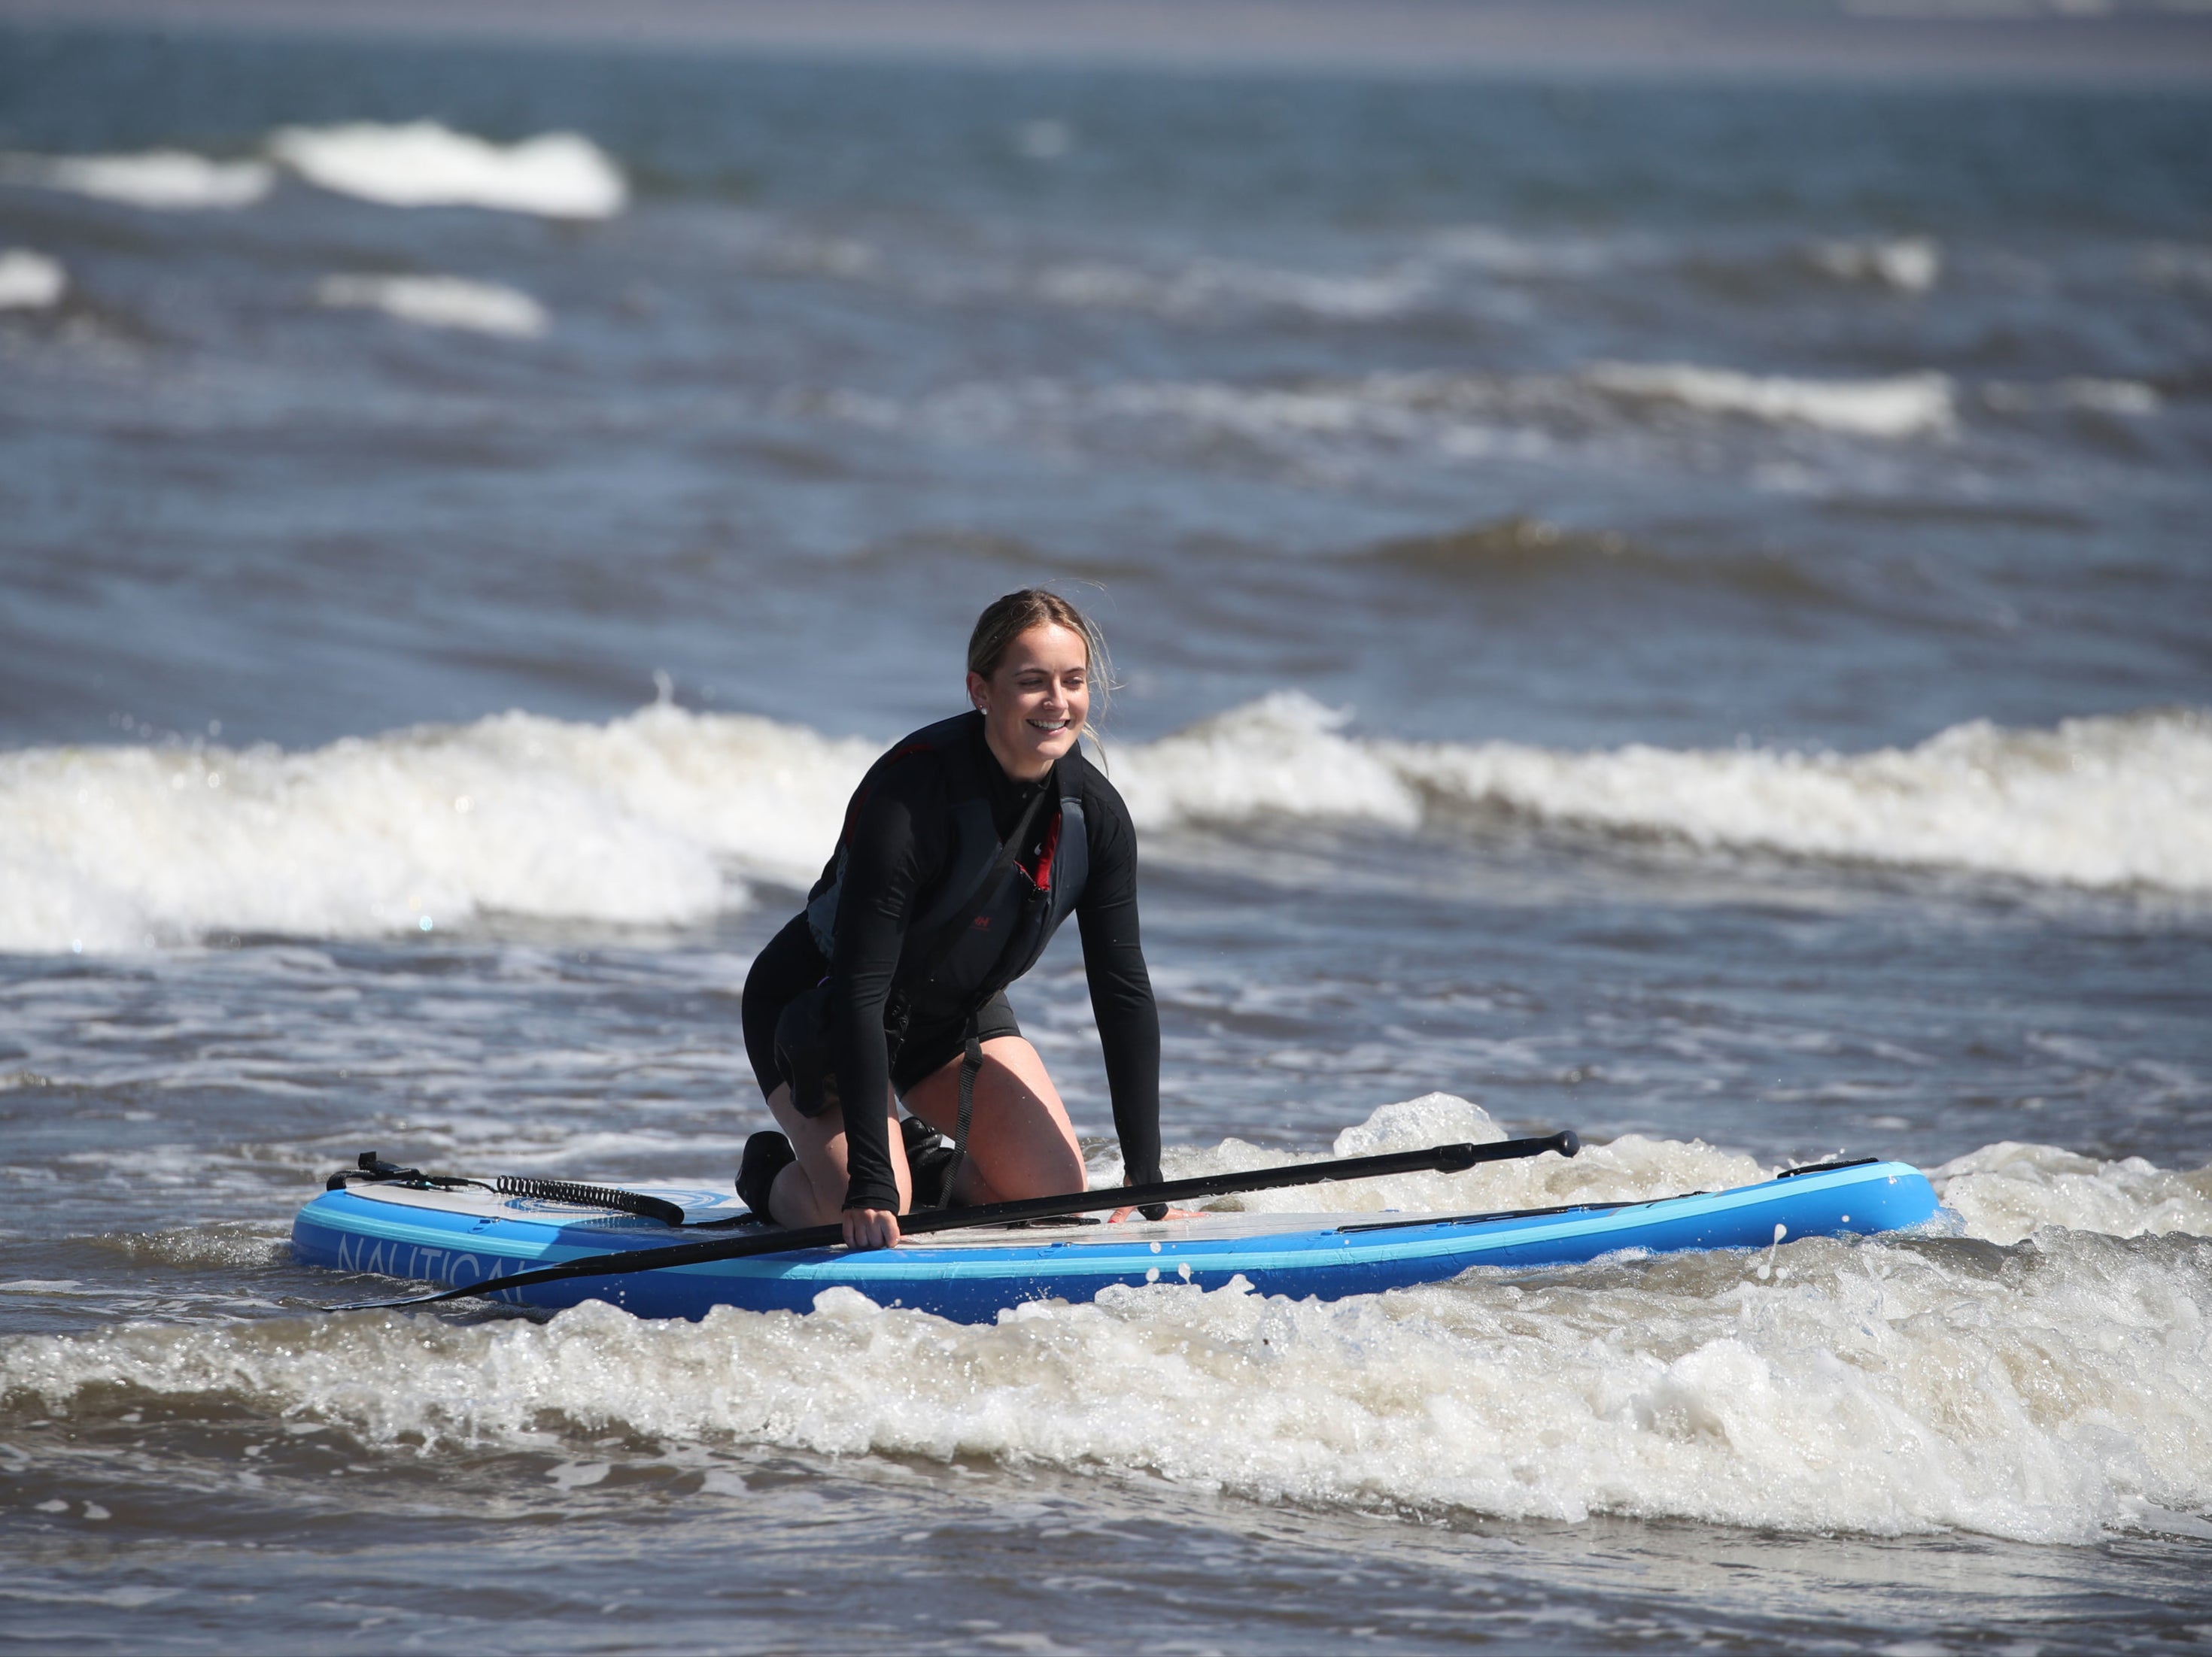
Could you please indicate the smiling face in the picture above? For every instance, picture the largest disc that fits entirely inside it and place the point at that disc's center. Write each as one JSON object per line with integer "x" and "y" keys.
{"x": 1034, "y": 703}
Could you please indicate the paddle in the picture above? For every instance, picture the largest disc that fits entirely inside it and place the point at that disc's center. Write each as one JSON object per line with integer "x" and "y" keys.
{"x": 1446, "y": 1159}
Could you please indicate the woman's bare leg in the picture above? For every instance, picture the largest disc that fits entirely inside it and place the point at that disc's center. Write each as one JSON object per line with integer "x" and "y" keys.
{"x": 1020, "y": 1143}
{"x": 811, "y": 1191}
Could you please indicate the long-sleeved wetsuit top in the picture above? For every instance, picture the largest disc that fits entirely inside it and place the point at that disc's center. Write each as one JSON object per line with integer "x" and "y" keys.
{"x": 901, "y": 838}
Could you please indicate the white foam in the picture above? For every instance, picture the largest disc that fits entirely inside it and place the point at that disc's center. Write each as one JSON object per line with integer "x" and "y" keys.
{"x": 561, "y": 175}
{"x": 30, "y": 282}
{"x": 2002, "y": 1194}
{"x": 2110, "y": 801}
{"x": 2009, "y": 1192}
{"x": 1503, "y": 253}
{"x": 1904, "y": 405}
{"x": 2112, "y": 397}
{"x": 1912, "y": 265}
{"x": 1329, "y": 427}
{"x": 1282, "y": 754}
{"x": 165, "y": 180}
{"x": 660, "y": 817}
{"x": 483, "y": 307}
{"x": 651, "y": 818}
{"x": 1633, "y": 1169}
{"x": 2052, "y": 1395}
{"x": 1209, "y": 284}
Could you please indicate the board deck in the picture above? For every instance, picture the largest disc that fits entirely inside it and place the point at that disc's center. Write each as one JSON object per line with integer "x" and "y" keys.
{"x": 465, "y": 1236}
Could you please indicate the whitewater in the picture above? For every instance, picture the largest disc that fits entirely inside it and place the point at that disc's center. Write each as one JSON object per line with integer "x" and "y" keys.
{"x": 2024, "y": 1371}
{"x": 557, "y": 175}
{"x": 667, "y": 815}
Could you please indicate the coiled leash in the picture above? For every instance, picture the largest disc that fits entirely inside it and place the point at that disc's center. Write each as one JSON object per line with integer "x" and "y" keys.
{"x": 369, "y": 1168}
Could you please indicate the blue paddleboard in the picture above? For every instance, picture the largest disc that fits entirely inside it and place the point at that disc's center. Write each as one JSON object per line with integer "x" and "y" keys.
{"x": 465, "y": 1234}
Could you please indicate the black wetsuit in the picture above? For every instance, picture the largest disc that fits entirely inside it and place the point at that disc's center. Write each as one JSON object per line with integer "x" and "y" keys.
{"x": 894, "y": 858}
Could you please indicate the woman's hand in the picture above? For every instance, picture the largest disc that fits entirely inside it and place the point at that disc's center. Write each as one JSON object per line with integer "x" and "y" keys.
{"x": 871, "y": 1227}
{"x": 1122, "y": 1215}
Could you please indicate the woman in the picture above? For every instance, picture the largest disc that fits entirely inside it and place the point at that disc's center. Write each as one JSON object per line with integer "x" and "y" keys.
{"x": 964, "y": 849}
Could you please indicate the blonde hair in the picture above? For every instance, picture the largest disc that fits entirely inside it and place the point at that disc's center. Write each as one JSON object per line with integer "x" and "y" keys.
{"x": 1006, "y": 619}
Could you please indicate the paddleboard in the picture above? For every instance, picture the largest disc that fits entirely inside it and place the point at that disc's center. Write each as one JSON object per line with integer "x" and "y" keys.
{"x": 467, "y": 1234}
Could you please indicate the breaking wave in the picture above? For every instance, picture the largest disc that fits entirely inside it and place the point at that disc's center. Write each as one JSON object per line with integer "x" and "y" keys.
{"x": 662, "y": 817}
{"x": 1906, "y": 405}
{"x": 1911, "y": 264}
{"x": 1209, "y": 284}
{"x": 1327, "y": 424}
{"x": 164, "y": 180}
{"x": 2052, "y": 1391}
{"x": 482, "y": 307}
{"x": 651, "y": 818}
{"x": 561, "y": 175}
{"x": 2109, "y": 802}
{"x": 30, "y": 282}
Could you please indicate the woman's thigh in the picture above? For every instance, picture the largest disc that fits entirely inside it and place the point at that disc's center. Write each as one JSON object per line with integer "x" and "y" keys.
{"x": 820, "y": 1144}
{"x": 1020, "y": 1143}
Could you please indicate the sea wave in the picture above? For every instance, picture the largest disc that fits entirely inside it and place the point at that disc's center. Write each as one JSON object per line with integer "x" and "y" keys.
{"x": 1329, "y": 424}
{"x": 561, "y": 175}
{"x": 1210, "y": 284}
{"x": 2109, "y": 802}
{"x": 30, "y": 282}
{"x": 1903, "y": 405}
{"x": 662, "y": 816}
{"x": 1911, "y": 264}
{"x": 2051, "y": 1391}
{"x": 652, "y": 818}
{"x": 1522, "y": 548}
{"x": 2108, "y": 396}
{"x": 1512, "y": 255}
{"x": 164, "y": 180}
{"x": 482, "y": 308}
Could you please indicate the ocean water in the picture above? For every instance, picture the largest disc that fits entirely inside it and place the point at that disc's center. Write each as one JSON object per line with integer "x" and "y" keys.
{"x": 1676, "y": 610}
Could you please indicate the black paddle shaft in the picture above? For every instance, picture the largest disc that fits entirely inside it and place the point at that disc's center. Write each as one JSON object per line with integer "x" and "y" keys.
{"x": 1443, "y": 1159}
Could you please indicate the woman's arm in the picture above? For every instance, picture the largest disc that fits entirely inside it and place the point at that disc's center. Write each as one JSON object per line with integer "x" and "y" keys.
{"x": 1121, "y": 988}
{"x": 883, "y": 867}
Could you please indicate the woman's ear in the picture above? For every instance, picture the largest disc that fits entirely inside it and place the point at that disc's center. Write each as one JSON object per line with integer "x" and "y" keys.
{"x": 977, "y": 685}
